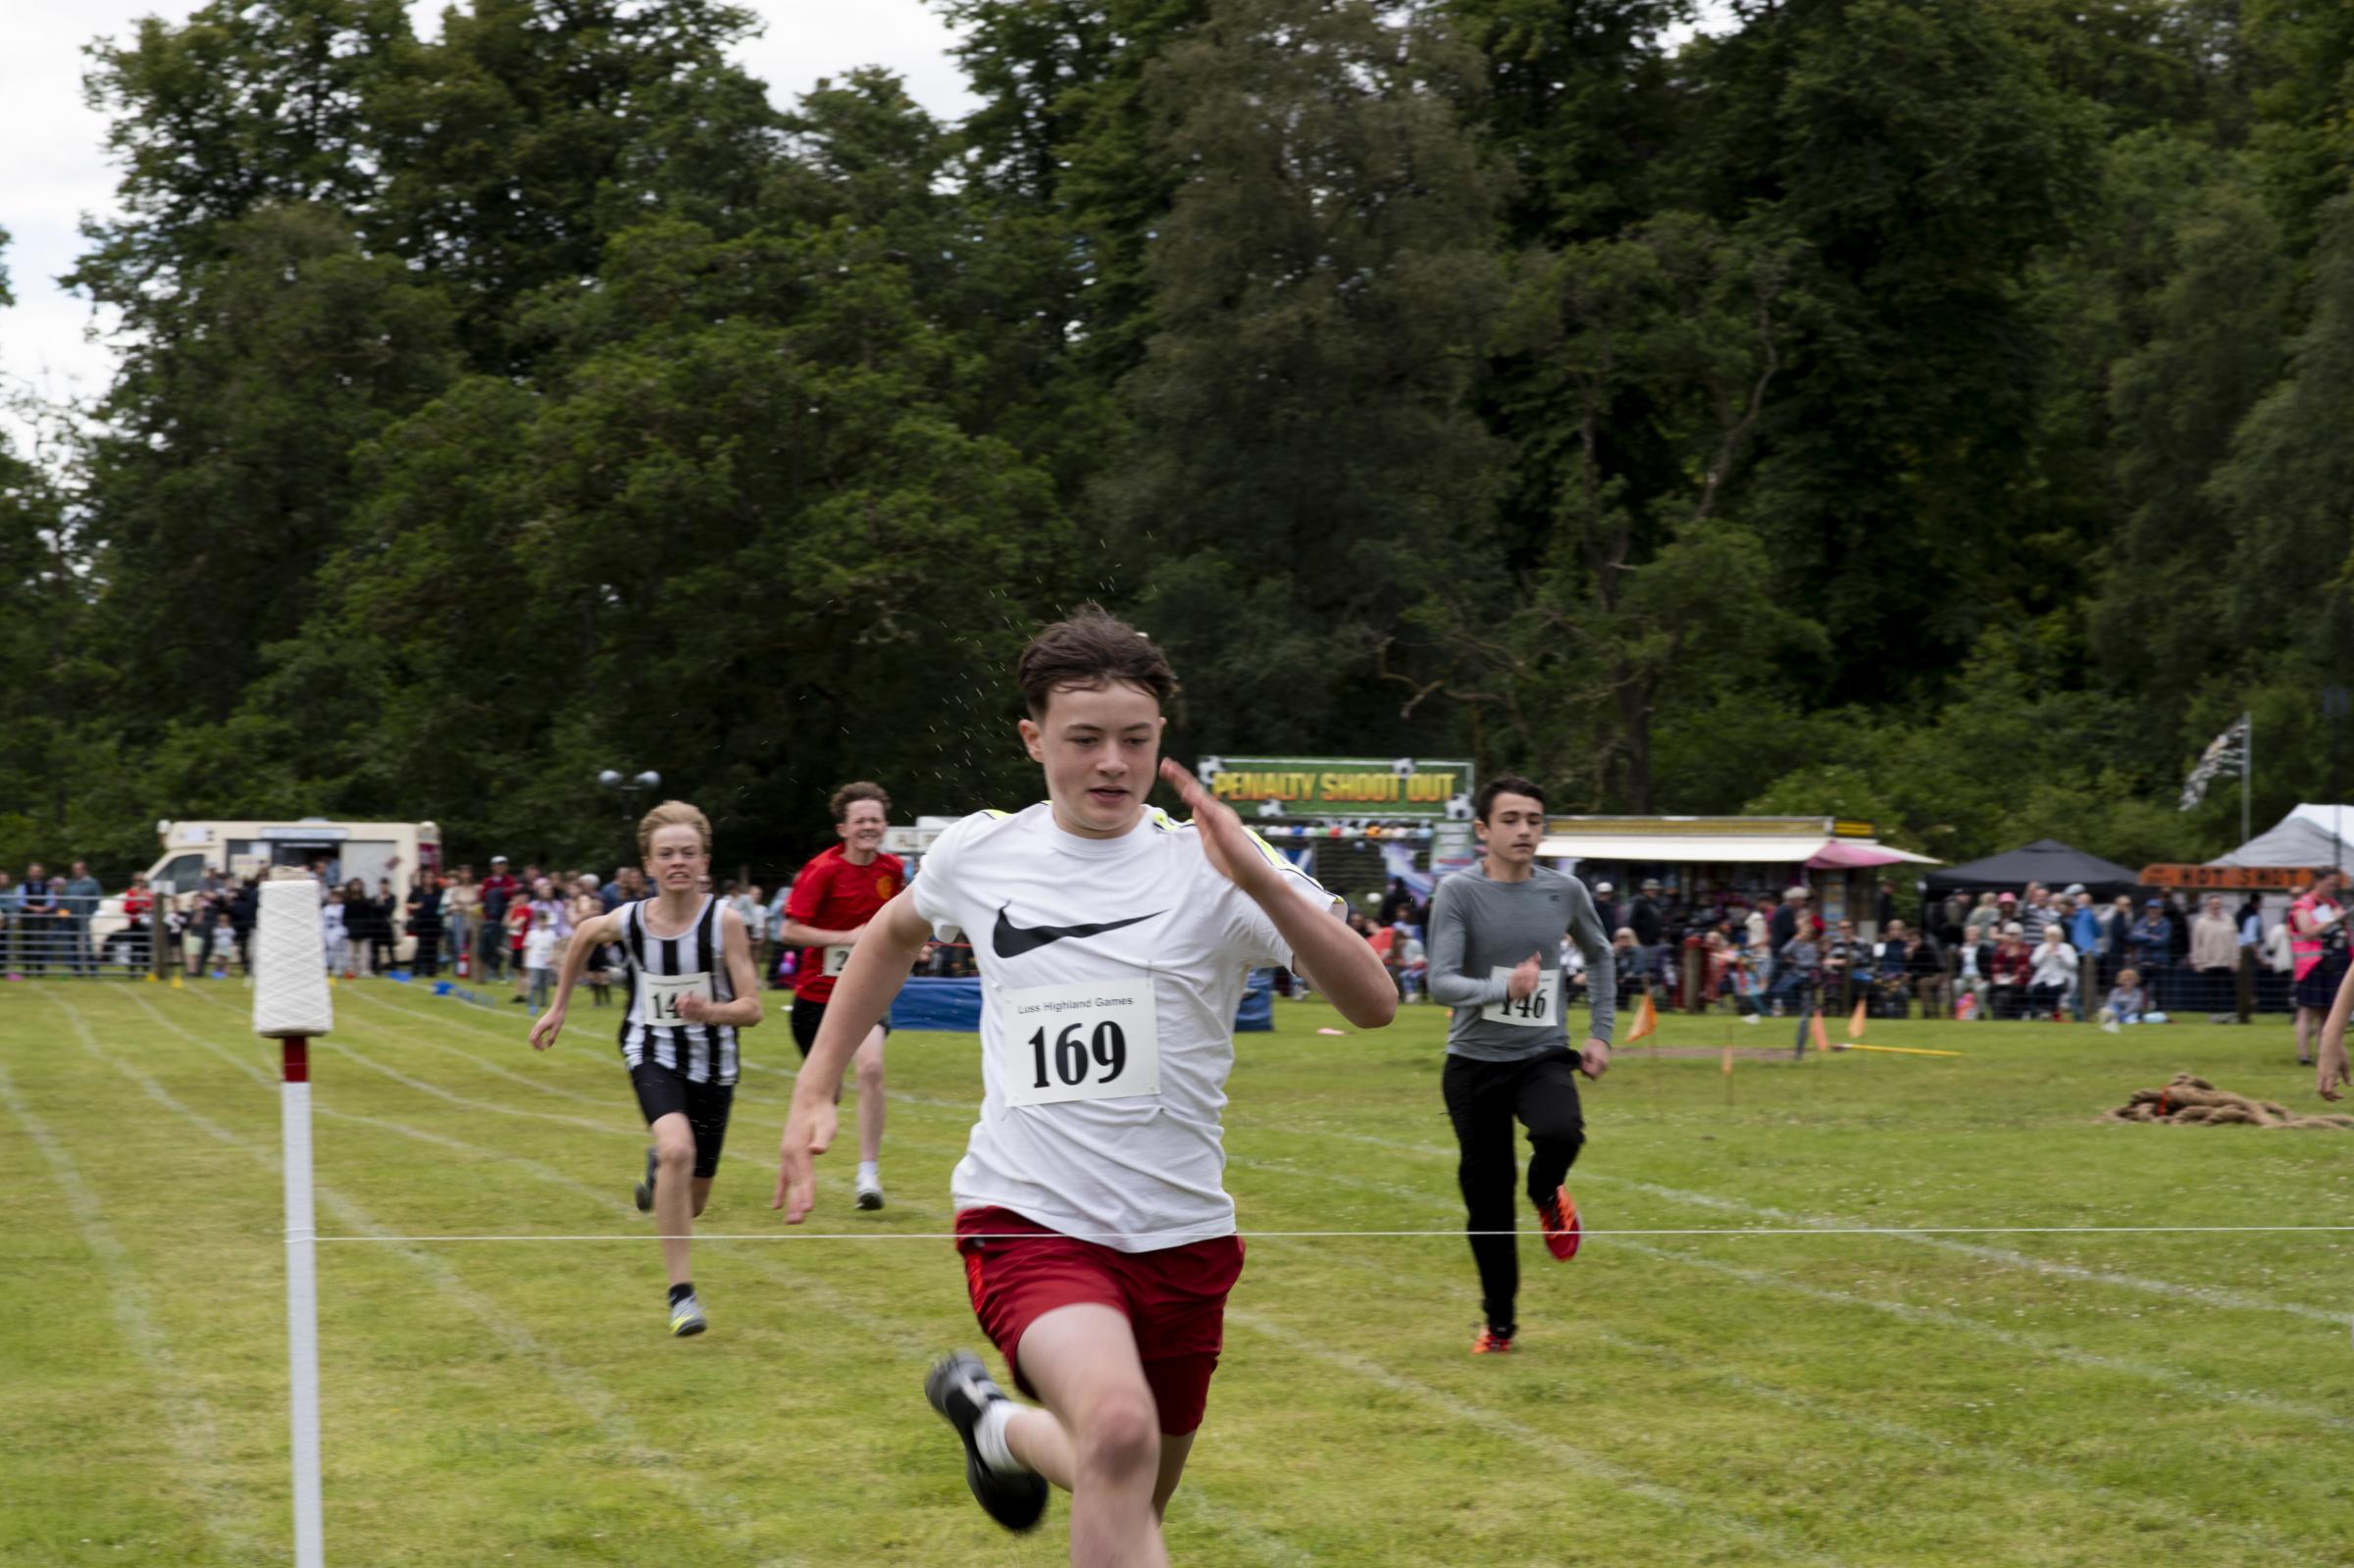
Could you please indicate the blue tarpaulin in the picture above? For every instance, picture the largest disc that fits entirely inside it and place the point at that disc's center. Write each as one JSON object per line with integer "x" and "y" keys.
{"x": 955, "y": 1005}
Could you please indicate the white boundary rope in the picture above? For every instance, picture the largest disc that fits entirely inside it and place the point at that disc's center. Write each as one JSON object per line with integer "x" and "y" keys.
{"x": 1275, "y": 1236}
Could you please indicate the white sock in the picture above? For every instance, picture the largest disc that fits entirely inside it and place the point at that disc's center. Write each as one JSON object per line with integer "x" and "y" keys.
{"x": 869, "y": 1174}
{"x": 988, "y": 1436}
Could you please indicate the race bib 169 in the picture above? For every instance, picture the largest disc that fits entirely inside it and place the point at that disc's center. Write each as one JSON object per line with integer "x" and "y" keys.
{"x": 1094, "y": 1041}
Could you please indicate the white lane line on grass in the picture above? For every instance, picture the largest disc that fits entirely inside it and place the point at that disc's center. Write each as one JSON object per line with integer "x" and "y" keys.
{"x": 464, "y": 1016}
{"x": 635, "y": 1133}
{"x": 1567, "y": 1461}
{"x": 1986, "y": 1455}
{"x": 2205, "y": 1295}
{"x": 2192, "y": 1388}
{"x": 733, "y": 1152}
{"x": 1937, "y": 1237}
{"x": 866, "y": 1321}
{"x": 1887, "y": 1431}
{"x": 194, "y": 1433}
{"x": 723, "y": 1516}
{"x": 1193, "y": 1502}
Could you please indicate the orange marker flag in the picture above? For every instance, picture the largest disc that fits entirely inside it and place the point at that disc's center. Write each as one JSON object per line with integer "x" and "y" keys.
{"x": 1822, "y": 1041}
{"x": 1854, "y": 1024}
{"x": 1729, "y": 1058}
{"x": 1647, "y": 1020}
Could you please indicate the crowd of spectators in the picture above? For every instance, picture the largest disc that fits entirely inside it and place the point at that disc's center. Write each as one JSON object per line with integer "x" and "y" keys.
{"x": 2035, "y": 953}
{"x": 46, "y": 921}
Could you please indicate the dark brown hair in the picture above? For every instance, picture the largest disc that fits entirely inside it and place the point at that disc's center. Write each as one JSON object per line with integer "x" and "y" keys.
{"x": 851, "y": 795}
{"x": 1506, "y": 784}
{"x": 1089, "y": 652}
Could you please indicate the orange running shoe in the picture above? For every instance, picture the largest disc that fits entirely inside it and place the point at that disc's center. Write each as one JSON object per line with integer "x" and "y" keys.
{"x": 1490, "y": 1342}
{"x": 1558, "y": 1217}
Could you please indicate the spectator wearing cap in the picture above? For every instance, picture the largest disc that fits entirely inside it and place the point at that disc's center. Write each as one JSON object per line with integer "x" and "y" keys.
{"x": 2011, "y": 966}
{"x": 1605, "y": 906}
{"x": 498, "y": 896}
{"x": 2151, "y": 940}
{"x": 2214, "y": 959}
{"x": 1643, "y": 918}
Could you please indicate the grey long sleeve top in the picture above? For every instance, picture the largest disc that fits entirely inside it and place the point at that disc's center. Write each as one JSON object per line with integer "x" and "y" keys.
{"x": 1479, "y": 930}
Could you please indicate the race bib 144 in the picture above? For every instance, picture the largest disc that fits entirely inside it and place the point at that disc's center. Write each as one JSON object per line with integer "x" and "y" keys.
{"x": 1095, "y": 1040}
{"x": 1538, "y": 1009}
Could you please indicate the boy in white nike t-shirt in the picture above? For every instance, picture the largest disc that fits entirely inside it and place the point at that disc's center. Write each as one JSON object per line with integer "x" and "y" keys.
{"x": 1112, "y": 944}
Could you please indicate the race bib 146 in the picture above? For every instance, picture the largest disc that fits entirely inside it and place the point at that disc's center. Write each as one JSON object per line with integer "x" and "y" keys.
{"x": 1538, "y": 1009}
{"x": 1094, "y": 1041}
{"x": 659, "y": 995}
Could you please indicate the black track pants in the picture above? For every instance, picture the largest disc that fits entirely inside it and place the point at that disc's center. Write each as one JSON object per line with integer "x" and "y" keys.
{"x": 1483, "y": 1100}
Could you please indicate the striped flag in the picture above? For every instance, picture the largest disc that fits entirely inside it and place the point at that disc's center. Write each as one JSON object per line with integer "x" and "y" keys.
{"x": 2223, "y": 753}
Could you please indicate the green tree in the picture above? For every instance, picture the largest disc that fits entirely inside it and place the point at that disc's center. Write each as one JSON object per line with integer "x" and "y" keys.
{"x": 1302, "y": 453}
{"x": 1651, "y": 593}
{"x": 2290, "y": 578}
{"x": 1066, "y": 129}
{"x": 1925, "y": 159}
{"x": 2215, "y": 329}
{"x": 221, "y": 481}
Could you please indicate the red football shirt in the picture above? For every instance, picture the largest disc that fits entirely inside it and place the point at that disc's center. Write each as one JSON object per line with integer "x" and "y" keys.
{"x": 832, "y": 894}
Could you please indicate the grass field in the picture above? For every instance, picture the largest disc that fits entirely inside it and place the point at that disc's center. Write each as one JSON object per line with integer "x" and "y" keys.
{"x": 1679, "y": 1399}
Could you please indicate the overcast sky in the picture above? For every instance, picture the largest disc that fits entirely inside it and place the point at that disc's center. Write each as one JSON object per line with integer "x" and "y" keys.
{"x": 57, "y": 170}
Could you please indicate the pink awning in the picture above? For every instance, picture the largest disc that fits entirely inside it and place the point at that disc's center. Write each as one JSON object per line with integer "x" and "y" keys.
{"x": 1839, "y": 852}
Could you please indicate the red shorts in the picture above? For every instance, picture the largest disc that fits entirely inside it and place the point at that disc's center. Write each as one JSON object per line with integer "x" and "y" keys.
{"x": 1174, "y": 1299}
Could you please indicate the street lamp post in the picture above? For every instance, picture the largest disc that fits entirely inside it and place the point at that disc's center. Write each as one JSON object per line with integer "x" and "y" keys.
{"x": 628, "y": 787}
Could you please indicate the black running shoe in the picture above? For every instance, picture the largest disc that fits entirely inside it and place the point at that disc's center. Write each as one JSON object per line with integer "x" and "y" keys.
{"x": 644, "y": 1193}
{"x": 959, "y": 1387}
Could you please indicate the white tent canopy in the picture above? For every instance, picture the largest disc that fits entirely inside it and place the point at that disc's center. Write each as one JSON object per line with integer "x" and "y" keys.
{"x": 1777, "y": 849}
{"x": 2310, "y": 836}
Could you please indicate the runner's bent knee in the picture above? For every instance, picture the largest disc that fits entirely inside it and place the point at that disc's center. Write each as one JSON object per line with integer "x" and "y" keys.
{"x": 1118, "y": 1433}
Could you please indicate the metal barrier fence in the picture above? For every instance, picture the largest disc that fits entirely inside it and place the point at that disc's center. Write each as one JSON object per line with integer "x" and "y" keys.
{"x": 64, "y": 946}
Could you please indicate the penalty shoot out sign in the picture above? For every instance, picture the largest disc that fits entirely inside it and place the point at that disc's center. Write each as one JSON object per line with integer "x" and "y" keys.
{"x": 1414, "y": 787}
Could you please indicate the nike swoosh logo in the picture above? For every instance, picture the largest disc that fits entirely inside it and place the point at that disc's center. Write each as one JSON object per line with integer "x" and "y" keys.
{"x": 1012, "y": 940}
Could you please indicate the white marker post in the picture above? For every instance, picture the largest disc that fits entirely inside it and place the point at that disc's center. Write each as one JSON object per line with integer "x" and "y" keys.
{"x": 291, "y": 1006}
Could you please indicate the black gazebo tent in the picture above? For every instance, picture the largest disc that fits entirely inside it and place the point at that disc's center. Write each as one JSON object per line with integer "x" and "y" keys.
{"x": 2047, "y": 861}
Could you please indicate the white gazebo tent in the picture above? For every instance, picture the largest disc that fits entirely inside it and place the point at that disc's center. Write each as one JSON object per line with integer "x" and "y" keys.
{"x": 2312, "y": 836}
{"x": 1837, "y": 858}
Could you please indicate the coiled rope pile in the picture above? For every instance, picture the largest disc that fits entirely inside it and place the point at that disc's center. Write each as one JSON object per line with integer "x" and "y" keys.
{"x": 2188, "y": 1101}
